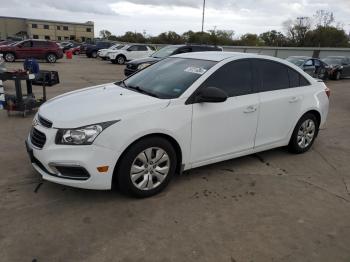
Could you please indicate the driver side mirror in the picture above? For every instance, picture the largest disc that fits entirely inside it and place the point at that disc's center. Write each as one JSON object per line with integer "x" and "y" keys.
{"x": 210, "y": 95}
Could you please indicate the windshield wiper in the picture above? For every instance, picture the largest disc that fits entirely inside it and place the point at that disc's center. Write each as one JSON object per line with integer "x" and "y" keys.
{"x": 140, "y": 90}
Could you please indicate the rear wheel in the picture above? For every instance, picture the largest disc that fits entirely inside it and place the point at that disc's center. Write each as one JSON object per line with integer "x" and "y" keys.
{"x": 304, "y": 134}
{"x": 147, "y": 167}
{"x": 51, "y": 58}
{"x": 10, "y": 57}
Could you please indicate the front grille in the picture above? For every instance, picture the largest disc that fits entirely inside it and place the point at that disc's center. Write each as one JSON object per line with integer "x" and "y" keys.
{"x": 37, "y": 138}
{"x": 44, "y": 122}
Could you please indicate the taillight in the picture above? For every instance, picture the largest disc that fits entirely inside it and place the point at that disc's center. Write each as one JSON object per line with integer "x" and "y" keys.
{"x": 328, "y": 92}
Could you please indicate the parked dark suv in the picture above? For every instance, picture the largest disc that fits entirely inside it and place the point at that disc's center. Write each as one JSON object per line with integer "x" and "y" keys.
{"x": 38, "y": 49}
{"x": 91, "y": 50}
{"x": 138, "y": 64}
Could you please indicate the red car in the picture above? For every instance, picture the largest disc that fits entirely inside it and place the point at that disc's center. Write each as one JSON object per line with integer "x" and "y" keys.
{"x": 75, "y": 50}
{"x": 38, "y": 49}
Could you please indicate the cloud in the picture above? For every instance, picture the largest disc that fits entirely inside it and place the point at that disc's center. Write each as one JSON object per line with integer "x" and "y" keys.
{"x": 155, "y": 16}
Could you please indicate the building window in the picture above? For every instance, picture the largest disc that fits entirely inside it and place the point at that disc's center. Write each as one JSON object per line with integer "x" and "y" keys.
{"x": 88, "y": 29}
{"x": 59, "y": 38}
{"x": 66, "y": 38}
{"x": 35, "y": 37}
{"x": 47, "y": 37}
{"x": 34, "y": 26}
{"x": 72, "y": 37}
{"x": 65, "y": 28}
{"x": 46, "y": 27}
{"x": 58, "y": 27}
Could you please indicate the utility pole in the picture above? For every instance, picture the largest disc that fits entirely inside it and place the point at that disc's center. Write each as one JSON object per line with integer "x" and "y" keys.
{"x": 203, "y": 16}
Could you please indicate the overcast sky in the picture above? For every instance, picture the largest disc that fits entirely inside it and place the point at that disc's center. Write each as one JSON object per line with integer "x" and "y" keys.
{"x": 156, "y": 16}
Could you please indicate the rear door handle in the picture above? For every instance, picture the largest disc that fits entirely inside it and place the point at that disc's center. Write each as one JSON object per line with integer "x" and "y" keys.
{"x": 294, "y": 99}
{"x": 250, "y": 109}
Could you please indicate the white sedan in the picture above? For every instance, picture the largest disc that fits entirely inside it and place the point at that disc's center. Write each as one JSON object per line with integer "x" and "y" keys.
{"x": 103, "y": 53}
{"x": 185, "y": 111}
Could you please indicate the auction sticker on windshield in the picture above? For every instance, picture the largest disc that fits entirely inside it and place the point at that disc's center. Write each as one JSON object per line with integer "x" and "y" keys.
{"x": 195, "y": 70}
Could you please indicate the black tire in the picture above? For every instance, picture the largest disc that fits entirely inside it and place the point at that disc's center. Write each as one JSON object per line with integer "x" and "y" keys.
{"x": 51, "y": 58}
{"x": 294, "y": 146}
{"x": 10, "y": 57}
{"x": 104, "y": 58}
{"x": 120, "y": 59}
{"x": 94, "y": 54}
{"x": 123, "y": 170}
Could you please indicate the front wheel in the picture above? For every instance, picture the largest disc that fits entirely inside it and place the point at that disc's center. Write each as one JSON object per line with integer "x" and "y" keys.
{"x": 304, "y": 134}
{"x": 120, "y": 60}
{"x": 147, "y": 167}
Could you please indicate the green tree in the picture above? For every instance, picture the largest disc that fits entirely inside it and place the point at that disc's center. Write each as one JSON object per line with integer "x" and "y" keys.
{"x": 167, "y": 38}
{"x": 327, "y": 36}
{"x": 250, "y": 40}
{"x": 273, "y": 38}
{"x": 132, "y": 37}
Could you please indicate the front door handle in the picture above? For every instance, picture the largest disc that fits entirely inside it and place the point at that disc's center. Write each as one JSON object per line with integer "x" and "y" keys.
{"x": 250, "y": 109}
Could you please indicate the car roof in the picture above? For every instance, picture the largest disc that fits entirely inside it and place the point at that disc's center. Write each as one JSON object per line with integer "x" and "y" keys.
{"x": 217, "y": 56}
{"x": 304, "y": 57}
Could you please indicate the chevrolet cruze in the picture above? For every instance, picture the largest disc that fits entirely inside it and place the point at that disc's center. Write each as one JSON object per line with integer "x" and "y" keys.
{"x": 183, "y": 112}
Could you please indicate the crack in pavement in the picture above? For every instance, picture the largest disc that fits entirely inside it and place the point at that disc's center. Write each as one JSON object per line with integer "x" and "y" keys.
{"x": 262, "y": 160}
{"x": 335, "y": 169}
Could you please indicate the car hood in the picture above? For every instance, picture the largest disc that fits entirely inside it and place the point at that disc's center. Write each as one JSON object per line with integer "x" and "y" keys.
{"x": 145, "y": 60}
{"x": 96, "y": 105}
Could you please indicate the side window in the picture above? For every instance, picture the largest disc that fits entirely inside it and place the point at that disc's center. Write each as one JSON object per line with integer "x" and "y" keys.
{"x": 308, "y": 63}
{"x": 27, "y": 44}
{"x": 41, "y": 44}
{"x": 273, "y": 75}
{"x": 142, "y": 48}
{"x": 132, "y": 48}
{"x": 296, "y": 79}
{"x": 317, "y": 63}
{"x": 235, "y": 78}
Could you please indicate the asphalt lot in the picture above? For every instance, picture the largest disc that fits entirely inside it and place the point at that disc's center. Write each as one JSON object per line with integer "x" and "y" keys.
{"x": 273, "y": 206}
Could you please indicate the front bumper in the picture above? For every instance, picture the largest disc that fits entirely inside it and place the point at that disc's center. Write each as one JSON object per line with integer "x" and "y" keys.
{"x": 49, "y": 160}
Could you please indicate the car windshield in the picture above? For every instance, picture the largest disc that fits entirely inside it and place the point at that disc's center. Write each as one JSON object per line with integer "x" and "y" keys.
{"x": 333, "y": 60}
{"x": 116, "y": 47}
{"x": 165, "y": 51}
{"x": 298, "y": 61}
{"x": 168, "y": 78}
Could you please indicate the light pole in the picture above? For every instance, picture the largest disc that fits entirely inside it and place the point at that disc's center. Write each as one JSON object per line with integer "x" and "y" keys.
{"x": 203, "y": 16}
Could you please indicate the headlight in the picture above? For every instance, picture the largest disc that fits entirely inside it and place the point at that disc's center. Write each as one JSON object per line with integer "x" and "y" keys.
{"x": 81, "y": 136}
{"x": 142, "y": 66}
